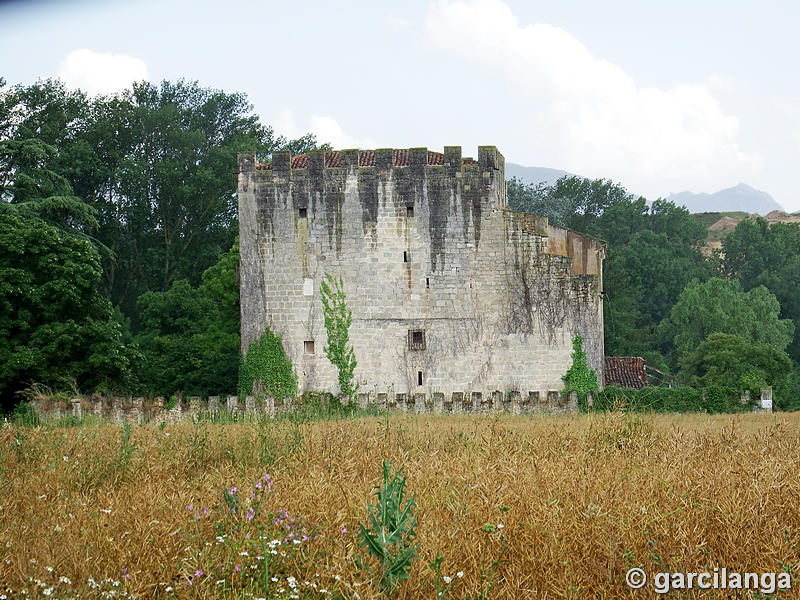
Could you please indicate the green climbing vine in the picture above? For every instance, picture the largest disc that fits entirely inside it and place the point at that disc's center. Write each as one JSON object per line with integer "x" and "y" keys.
{"x": 266, "y": 369}
{"x": 338, "y": 318}
{"x": 579, "y": 377}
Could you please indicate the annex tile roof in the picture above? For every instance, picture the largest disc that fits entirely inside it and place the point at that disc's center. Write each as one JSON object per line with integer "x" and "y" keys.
{"x": 625, "y": 371}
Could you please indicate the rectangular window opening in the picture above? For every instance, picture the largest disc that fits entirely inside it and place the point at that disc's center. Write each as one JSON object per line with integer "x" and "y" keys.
{"x": 406, "y": 256}
{"x": 428, "y": 283}
{"x": 416, "y": 339}
{"x": 409, "y": 211}
{"x": 308, "y": 345}
{"x": 419, "y": 377}
{"x": 303, "y": 213}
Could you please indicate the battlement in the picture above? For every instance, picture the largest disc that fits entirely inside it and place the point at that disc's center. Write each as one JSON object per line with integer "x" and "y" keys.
{"x": 382, "y": 158}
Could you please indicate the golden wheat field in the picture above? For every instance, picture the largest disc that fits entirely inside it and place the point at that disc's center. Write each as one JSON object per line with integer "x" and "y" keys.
{"x": 513, "y": 507}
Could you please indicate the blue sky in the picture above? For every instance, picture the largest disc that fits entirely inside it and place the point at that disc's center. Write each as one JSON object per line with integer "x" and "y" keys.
{"x": 659, "y": 96}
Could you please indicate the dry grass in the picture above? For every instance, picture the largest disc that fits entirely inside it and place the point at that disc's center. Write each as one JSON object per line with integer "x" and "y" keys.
{"x": 581, "y": 499}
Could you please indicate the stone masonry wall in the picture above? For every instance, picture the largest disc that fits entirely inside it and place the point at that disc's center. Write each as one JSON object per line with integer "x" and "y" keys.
{"x": 449, "y": 289}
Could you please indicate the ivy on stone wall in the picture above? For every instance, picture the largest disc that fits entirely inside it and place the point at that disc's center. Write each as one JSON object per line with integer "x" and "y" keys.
{"x": 579, "y": 377}
{"x": 266, "y": 369}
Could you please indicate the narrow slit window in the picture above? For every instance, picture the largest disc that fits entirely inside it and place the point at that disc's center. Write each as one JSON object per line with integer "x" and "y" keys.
{"x": 406, "y": 256}
{"x": 308, "y": 345}
{"x": 409, "y": 211}
{"x": 416, "y": 339}
{"x": 419, "y": 377}
{"x": 427, "y": 283}
{"x": 303, "y": 213}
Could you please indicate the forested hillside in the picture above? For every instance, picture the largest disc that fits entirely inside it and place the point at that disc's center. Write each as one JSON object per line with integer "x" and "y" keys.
{"x": 118, "y": 253}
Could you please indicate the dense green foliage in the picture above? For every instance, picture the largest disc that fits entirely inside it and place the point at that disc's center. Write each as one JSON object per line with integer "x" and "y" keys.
{"x": 757, "y": 253}
{"x": 338, "y": 318}
{"x": 714, "y": 399}
{"x": 265, "y": 370}
{"x": 725, "y": 359}
{"x": 579, "y": 377}
{"x": 56, "y": 328}
{"x": 721, "y": 306}
{"x": 190, "y": 336}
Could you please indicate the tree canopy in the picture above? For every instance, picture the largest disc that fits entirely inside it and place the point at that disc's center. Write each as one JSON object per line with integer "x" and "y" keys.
{"x": 56, "y": 328}
{"x": 722, "y": 306}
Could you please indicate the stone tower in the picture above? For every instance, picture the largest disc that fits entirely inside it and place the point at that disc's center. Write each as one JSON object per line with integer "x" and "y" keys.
{"x": 449, "y": 289}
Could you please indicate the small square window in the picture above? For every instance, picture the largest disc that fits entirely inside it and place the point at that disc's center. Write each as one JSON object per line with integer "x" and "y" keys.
{"x": 308, "y": 345}
{"x": 303, "y": 213}
{"x": 416, "y": 339}
{"x": 409, "y": 211}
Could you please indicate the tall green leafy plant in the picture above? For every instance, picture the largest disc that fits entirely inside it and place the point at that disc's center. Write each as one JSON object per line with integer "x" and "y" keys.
{"x": 338, "y": 318}
{"x": 392, "y": 529}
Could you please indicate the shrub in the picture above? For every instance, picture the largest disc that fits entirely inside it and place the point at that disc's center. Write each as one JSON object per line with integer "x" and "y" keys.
{"x": 718, "y": 399}
{"x": 266, "y": 369}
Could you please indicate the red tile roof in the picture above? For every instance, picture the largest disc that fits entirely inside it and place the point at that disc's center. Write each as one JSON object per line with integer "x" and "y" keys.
{"x": 625, "y": 371}
{"x": 366, "y": 158}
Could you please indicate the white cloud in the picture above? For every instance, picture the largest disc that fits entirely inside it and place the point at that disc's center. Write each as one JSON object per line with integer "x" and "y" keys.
{"x": 397, "y": 22}
{"x": 599, "y": 121}
{"x": 101, "y": 73}
{"x": 326, "y": 129}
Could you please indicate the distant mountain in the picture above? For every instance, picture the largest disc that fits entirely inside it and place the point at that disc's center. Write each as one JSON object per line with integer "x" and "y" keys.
{"x": 534, "y": 175}
{"x": 738, "y": 198}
